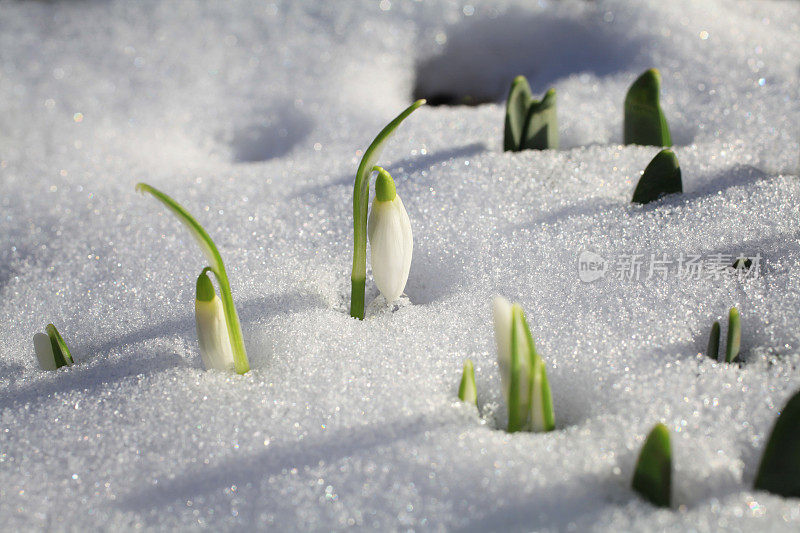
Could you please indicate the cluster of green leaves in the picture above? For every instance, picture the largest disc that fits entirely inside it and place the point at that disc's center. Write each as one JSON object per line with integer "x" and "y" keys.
{"x": 530, "y": 403}
{"x": 734, "y": 338}
{"x": 530, "y": 124}
{"x": 535, "y": 411}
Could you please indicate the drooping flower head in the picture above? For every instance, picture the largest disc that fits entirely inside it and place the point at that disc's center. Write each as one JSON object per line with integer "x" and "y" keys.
{"x": 390, "y": 238}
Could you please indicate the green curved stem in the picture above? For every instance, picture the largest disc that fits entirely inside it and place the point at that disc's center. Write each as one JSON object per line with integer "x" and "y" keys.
{"x": 217, "y": 267}
{"x": 358, "y": 278}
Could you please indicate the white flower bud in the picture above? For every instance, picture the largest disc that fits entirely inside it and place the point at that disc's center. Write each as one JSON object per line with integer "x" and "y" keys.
{"x": 391, "y": 241}
{"x": 212, "y": 329}
{"x": 44, "y": 351}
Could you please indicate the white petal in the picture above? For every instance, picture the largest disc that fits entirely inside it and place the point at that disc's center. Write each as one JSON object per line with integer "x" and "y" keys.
{"x": 391, "y": 244}
{"x": 212, "y": 334}
{"x": 44, "y": 351}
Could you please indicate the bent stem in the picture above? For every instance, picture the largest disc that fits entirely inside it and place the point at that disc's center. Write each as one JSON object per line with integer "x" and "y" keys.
{"x": 217, "y": 267}
{"x": 358, "y": 278}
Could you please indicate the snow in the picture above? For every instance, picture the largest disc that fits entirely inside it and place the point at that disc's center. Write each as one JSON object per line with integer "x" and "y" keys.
{"x": 254, "y": 115}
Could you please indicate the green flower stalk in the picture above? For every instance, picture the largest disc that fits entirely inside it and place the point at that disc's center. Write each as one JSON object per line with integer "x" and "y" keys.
{"x": 645, "y": 122}
{"x": 530, "y": 124}
{"x": 662, "y": 176}
{"x": 358, "y": 277}
{"x": 51, "y": 350}
{"x": 653, "y": 476}
{"x": 211, "y": 253}
{"x": 467, "y": 391}
{"x": 779, "y": 471}
{"x": 522, "y": 371}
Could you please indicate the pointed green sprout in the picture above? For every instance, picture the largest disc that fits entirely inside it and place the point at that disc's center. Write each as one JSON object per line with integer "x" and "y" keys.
{"x": 535, "y": 411}
{"x": 51, "y": 350}
{"x": 645, "y": 122}
{"x": 734, "y": 335}
{"x": 467, "y": 391}
{"x": 530, "y": 124}
{"x": 358, "y": 278}
{"x": 217, "y": 267}
{"x": 713, "y": 342}
{"x": 653, "y": 476}
{"x": 60, "y": 350}
{"x": 779, "y": 471}
{"x": 662, "y": 176}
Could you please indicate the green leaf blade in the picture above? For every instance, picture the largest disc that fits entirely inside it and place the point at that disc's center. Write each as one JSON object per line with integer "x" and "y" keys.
{"x": 542, "y": 416}
{"x": 713, "y": 342}
{"x": 467, "y": 391}
{"x": 212, "y": 254}
{"x": 652, "y": 478}
{"x": 779, "y": 470}
{"x": 734, "y": 336}
{"x": 61, "y": 352}
{"x": 519, "y": 99}
{"x": 645, "y": 122}
{"x": 662, "y": 176}
{"x": 518, "y": 404}
{"x": 541, "y": 124}
{"x": 358, "y": 277}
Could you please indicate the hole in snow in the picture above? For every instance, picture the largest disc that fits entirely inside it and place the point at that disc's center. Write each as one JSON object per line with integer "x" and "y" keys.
{"x": 482, "y": 57}
{"x": 267, "y": 133}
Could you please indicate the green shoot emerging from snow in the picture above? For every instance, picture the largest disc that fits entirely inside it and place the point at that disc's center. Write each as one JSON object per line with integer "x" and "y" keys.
{"x": 217, "y": 267}
{"x": 645, "y": 122}
{"x": 662, "y": 176}
{"x": 358, "y": 277}
{"x": 734, "y": 338}
{"x": 779, "y": 471}
{"x": 467, "y": 391}
{"x": 653, "y": 476}
{"x": 522, "y": 371}
{"x": 530, "y": 124}
{"x": 51, "y": 350}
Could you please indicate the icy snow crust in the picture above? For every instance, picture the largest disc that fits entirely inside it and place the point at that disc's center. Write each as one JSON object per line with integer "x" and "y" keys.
{"x": 254, "y": 115}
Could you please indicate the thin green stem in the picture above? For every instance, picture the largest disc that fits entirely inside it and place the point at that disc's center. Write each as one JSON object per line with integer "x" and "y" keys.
{"x": 217, "y": 267}
{"x": 358, "y": 277}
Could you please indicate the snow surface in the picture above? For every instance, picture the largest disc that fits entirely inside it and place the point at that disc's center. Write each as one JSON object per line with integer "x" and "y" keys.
{"x": 254, "y": 116}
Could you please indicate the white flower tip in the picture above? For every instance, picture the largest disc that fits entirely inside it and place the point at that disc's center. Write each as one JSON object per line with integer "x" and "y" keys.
{"x": 44, "y": 351}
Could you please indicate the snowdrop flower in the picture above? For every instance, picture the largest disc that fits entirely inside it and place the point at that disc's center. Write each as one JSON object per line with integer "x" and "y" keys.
{"x": 390, "y": 237}
{"x": 212, "y": 330}
{"x": 51, "y": 350}
{"x": 522, "y": 371}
